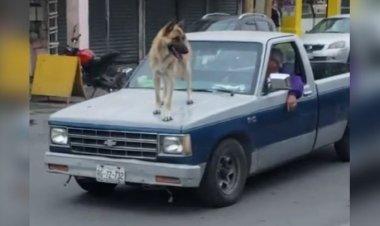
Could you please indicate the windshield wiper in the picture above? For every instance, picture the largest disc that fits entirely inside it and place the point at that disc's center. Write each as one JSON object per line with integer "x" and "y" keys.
{"x": 220, "y": 90}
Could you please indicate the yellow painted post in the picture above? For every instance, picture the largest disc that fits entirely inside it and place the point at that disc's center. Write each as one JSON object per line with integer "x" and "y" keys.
{"x": 333, "y": 7}
{"x": 292, "y": 16}
{"x": 268, "y": 8}
{"x": 352, "y": 5}
{"x": 14, "y": 66}
{"x": 248, "y": 6}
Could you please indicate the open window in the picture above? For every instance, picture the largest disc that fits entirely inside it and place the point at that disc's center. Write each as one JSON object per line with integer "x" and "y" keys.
{"x": 292, "y": 61}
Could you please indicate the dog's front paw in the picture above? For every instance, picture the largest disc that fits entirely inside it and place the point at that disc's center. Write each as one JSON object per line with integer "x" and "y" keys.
{"x": 189, "y": 102}
{"x": 166, "y": 117}
{"x": 156, "y": 112}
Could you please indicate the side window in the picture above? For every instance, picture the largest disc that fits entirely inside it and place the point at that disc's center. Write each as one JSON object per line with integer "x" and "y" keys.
{"x": 262, "y": 25}
{"x": 292, "y": 62}
{"x": 272, "y": 26}
{"x": 249, "y": 25}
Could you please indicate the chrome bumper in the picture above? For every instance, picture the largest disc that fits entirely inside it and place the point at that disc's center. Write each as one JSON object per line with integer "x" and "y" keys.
{"x": 137, "y": 171}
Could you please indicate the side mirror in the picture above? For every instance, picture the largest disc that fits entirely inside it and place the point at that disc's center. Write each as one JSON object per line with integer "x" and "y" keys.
{"x": 128, "y": 70}
{"x": 279, "y": 81}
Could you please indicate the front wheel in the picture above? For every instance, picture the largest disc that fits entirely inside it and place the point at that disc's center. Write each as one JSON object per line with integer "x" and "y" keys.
{"x": 225, "y": 175}
{"x": 93, "y": 187}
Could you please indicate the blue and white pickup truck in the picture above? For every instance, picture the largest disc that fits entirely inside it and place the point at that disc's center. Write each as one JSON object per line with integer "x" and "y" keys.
{"x": 232, "y": 131}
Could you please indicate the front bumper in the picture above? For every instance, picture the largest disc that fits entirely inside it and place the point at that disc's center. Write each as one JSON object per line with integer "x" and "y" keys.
{"x": 137, "y": 171}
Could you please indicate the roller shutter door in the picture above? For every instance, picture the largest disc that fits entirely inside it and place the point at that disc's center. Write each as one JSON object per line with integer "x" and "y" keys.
{"x": 158, "y": 13}
{"x": 98, "y": 26}
{"x": 62, "y": 25}
{"x": 224, "y": 6}
{"x": 123, "y": 28}
{"x": 191, "y": 11}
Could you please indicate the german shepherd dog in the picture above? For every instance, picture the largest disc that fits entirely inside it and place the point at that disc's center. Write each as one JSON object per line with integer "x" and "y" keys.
{"x": 170, "y": 57}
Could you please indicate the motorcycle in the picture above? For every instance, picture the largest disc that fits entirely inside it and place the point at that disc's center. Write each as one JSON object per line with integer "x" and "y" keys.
{"x": 99, "y": 73}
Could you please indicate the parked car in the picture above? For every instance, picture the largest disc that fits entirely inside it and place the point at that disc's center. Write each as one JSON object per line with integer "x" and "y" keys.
{"x": 233, "y": 130}
{"x": 329, "y": 40}
{"x": 227, "y": 22}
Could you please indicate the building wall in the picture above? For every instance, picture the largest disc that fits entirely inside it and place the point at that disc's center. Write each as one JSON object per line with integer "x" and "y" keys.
{"x": 37, "y": 33}
{"x": 77, "y": 14}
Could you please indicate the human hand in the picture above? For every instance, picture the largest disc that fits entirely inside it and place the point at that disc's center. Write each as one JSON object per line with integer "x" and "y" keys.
{"x": 291, "y": 103}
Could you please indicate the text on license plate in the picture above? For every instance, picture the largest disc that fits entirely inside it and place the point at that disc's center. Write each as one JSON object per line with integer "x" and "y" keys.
{"x": 110, "y": 174}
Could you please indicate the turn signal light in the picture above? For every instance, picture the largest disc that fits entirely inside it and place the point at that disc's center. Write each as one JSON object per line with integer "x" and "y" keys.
{"x": 55, "y": 167}
{"x": 168, "y": 180}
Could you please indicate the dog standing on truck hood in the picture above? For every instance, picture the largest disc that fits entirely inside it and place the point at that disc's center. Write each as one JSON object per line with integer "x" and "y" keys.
{"x": 170, "y": 57}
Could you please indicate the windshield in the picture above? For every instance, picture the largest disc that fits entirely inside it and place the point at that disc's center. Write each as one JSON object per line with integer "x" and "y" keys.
{"x": 216, "y": 65}
{"x": 209, "y": 25}
{"x": 332, "y": 25}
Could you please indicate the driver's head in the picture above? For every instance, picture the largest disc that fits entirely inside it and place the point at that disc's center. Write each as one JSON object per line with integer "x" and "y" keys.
{"x": 276, "y": 59}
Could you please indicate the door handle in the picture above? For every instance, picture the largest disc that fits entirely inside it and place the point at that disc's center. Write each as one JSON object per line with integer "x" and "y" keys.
{"x": 307, "y": 93}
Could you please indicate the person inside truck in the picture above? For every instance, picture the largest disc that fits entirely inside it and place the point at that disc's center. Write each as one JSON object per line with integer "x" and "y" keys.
{"x": 275, "y": 65}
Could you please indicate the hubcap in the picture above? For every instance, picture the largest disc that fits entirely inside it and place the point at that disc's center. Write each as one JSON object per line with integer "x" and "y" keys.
{"x": 227, "y": 174}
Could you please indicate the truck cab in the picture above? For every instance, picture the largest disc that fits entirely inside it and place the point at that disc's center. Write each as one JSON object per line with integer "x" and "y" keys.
{"x": 233, "y": 130}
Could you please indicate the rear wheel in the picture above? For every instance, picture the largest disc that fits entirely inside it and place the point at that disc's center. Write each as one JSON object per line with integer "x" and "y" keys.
{"x": 93, "y": 187}
{"x": 342, "y": 147}
{"x": 225, "y": 175}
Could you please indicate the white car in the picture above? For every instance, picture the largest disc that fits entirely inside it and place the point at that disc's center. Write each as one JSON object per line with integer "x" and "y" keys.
{"x": 329, "y": 40}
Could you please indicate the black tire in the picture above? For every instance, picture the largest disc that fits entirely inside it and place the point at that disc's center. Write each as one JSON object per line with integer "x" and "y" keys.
{"x": 93, "y": 187}
{"x": 342, "y": 147}
{"x": 216, "y": 191}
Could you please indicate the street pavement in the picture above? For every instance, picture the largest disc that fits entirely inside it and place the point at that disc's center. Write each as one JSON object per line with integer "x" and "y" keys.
{"x": 311, "y": 191}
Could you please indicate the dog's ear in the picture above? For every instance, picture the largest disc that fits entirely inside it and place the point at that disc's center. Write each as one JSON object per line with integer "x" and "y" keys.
{"x": 169, "y": 27}
{"x": 181, "y": 24}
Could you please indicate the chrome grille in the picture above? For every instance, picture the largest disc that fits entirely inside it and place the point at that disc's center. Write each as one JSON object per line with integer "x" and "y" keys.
{"x": 113, "y": 143}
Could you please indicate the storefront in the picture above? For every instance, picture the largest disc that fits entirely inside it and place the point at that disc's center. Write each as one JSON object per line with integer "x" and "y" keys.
{"x": 125, "y": 17}
{"x": 299, "y": 16}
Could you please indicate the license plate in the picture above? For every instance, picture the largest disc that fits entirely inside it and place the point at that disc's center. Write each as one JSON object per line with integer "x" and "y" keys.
{"x": 110, "y": 174}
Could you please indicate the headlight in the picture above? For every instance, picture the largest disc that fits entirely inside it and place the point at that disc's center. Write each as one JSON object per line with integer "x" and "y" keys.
{"x": 59, "y": 136}
{"x": 337, "y": 45}
{"x": 176, "y": 145}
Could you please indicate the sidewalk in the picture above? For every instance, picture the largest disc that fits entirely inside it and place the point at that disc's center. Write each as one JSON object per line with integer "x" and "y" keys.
{"x": 47, "y": 105}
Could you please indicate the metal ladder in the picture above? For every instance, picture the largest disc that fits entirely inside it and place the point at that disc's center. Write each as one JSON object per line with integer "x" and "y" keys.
{"x": 53, "y": 26}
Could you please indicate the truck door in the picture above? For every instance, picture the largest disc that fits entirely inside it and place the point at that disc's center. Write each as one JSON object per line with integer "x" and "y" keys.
{"x": 280, "y": 135}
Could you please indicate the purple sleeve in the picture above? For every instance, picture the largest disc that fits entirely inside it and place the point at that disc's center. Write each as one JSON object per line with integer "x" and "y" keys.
{"x": 297, "y": 86}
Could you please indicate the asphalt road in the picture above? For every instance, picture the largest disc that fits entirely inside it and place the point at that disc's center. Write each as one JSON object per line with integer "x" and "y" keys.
{"x": 312, "y": 191}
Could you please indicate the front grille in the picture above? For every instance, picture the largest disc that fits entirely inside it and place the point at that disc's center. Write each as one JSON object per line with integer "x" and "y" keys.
{"x": 113, "y": 143}
{"x": 311, "y": 48}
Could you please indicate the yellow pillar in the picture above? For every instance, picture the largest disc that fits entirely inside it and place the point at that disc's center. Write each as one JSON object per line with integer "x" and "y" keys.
{"x": 292, "y": 18}
{"x": 352, "y": 6}
{"x": 333, "y": 7}
{"x": 268, "y": 8}
{"x": 14, "y": 70}
{"x": 248, "y": 6}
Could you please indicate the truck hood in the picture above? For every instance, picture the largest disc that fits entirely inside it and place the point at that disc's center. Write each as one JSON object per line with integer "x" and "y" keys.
{"x": 325, "y": 38}
{"x": 133, "y": 108}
